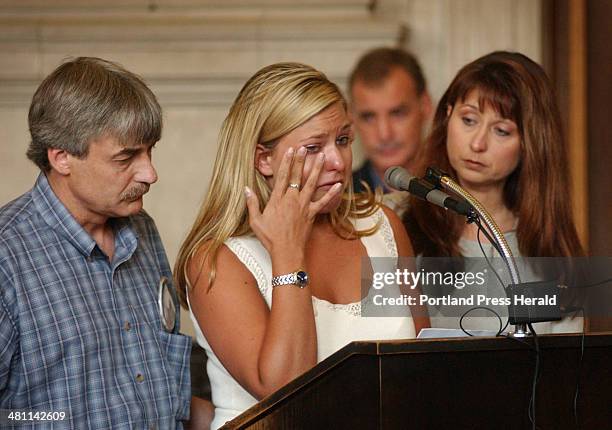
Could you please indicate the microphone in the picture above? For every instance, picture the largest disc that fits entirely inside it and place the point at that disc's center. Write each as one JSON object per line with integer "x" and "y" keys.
{"x": 399, "y": 178}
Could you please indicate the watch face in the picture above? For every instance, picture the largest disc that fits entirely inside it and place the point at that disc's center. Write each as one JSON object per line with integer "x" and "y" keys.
{"x": 302, "y": 278}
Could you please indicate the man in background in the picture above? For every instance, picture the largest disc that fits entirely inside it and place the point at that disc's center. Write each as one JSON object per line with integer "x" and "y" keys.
{"x": 390, "y": 107}
{"x": 84, "y": 335}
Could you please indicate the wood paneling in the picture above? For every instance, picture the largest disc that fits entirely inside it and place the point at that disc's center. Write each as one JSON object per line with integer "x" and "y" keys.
{"x": 577, "y": 116}
{"x": 469, "y": 383}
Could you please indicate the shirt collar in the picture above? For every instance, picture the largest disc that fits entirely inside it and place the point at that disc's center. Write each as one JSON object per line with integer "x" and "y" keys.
{"x": 58, "y": 218}
{"x": 376, "y": 180}
{"x": 126, "y": 239}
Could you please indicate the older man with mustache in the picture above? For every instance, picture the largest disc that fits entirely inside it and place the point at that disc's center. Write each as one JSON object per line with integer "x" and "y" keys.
{"x": 82, "y": 267}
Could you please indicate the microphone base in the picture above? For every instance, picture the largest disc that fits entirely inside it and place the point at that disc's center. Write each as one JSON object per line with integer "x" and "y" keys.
{"x": 520, "y": 331}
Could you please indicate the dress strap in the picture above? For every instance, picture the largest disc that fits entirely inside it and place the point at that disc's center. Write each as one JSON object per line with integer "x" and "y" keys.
{"x": 252, "y": 254}
{"x": 382, "y": 243}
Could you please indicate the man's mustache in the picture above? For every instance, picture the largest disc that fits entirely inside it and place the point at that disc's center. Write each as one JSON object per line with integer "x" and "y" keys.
{"x": 135, "y": 192}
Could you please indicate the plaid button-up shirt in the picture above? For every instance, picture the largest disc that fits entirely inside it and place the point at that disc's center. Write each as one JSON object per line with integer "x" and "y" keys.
{"x": 80, "y": 334}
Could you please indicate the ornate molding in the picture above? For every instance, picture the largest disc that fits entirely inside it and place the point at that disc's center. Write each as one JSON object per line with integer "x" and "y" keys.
{"x": 188, "y": 60}
{"x": 169, "y": 8}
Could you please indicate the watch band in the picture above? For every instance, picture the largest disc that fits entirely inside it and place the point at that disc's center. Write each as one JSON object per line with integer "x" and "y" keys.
{"x": 298, "y": 278}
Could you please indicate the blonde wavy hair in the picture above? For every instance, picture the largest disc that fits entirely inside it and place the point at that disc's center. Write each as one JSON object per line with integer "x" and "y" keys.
{"x": 276, "y": 100}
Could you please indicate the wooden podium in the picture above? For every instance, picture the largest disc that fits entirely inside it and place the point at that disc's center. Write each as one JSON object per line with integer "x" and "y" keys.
{"x": 467, "y": 383}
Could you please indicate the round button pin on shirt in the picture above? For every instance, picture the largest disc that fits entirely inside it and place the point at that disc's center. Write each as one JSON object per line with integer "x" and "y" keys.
{"x": 167, "y": 306}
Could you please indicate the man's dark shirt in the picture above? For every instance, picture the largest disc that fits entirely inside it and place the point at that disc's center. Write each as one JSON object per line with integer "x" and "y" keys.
{"x": 367, "y": 174}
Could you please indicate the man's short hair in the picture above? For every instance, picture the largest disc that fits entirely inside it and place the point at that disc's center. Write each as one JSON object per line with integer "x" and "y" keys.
{"x": 89, "y": 98}
{"x": 375, "y": 65}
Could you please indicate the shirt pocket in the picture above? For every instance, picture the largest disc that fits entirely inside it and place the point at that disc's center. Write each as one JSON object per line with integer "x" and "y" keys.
{"x": 177, "y": 352}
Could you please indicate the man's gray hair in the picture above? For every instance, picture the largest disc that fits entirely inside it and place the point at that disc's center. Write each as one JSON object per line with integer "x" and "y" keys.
{"x": 89, "y": 98}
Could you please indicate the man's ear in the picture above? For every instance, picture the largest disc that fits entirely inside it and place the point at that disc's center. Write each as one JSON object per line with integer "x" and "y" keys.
{"x": 59, "y": 160}
{"x": 263, "y": 160}
{"x": 426, "y": 105}
{"x": 350, "y": 110}
{"x": 350, "y": 115}
{"x": 449, "y": 110}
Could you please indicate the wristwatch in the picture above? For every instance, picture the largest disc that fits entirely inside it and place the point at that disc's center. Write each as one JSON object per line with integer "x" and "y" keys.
{"x": 299, "y": 279}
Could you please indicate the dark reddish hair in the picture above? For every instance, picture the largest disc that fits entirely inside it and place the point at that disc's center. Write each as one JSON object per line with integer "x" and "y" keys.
{"x": 537, "y": 191}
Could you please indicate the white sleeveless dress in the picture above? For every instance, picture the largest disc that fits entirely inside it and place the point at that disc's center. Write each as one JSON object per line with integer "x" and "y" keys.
{"x": 336, "y": 324}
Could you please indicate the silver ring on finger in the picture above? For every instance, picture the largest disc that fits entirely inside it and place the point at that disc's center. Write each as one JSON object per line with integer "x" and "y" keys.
{"x": 294, "y": 186}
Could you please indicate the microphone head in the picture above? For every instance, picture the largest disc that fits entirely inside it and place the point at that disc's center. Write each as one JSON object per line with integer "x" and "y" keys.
{"x": 397, "y": 177}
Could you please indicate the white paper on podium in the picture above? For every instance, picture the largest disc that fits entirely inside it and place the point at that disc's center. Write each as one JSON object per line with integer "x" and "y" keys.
{"x": 440, "y": 333}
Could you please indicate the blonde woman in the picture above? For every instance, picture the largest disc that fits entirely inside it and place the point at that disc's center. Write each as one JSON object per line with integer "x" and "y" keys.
{"x": 271, "y": 270}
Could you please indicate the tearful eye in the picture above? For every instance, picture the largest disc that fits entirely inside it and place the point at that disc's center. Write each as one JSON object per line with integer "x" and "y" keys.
{"x": 343, "y": 140}
{"x": 312, "y": 149}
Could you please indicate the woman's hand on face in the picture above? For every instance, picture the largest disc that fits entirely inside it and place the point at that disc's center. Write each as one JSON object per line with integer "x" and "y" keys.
{"x": 286, "y": 221}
